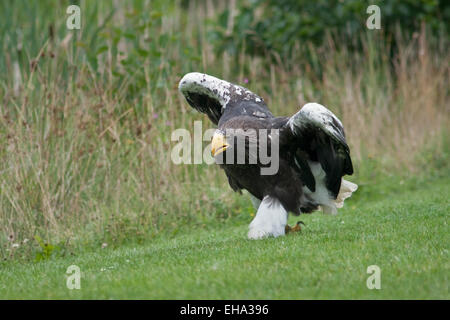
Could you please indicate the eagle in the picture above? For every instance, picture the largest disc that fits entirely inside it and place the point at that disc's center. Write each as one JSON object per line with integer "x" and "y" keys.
{"x": 309, "y": 147}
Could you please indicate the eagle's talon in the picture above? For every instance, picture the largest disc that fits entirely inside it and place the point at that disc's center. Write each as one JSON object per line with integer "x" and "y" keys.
{"x": 296, "y": 228}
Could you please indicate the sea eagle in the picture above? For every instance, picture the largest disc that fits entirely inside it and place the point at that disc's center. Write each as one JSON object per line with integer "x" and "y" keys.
{"x": 313, "y": 154}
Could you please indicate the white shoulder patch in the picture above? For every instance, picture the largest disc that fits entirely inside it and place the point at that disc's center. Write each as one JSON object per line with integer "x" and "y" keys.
{"x": 318, "y": 113}
{"x": 223, "y": 91}
{"x": 206, "y": 84}
{"x": 314, "y": 113}
{"x": 320, "y": 117}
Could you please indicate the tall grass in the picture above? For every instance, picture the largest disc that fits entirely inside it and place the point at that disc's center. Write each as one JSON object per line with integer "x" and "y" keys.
{"x": 86, "y": 116}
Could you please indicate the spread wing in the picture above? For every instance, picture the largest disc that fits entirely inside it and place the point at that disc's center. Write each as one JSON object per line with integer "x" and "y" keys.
{"x": 216, "y": 97}
{"x": 315, "y": 134}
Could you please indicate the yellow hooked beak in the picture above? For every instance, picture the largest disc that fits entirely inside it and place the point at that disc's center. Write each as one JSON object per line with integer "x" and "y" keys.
{"x": 218, "y": 144}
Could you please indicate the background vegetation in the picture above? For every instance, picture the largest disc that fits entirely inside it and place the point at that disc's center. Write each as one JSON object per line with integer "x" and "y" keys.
{"x": 281, "y": 28}
{"x": 86, "y": 115}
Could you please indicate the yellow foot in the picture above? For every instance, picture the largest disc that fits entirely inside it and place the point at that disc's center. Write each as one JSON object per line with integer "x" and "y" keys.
{"x": 296, "y": 228}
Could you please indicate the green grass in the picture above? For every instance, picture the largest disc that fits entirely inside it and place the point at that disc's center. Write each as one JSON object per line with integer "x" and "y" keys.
{"x": 405, "y": 233}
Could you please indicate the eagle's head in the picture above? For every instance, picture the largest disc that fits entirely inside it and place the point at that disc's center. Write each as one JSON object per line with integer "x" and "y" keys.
{"x": 237, "y": 145}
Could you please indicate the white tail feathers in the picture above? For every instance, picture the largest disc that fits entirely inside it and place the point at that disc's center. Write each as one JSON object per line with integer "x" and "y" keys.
{"x": 347, "y": 188}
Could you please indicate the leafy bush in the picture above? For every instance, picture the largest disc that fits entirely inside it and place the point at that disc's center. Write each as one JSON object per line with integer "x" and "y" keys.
{"x": 281, "y": 26}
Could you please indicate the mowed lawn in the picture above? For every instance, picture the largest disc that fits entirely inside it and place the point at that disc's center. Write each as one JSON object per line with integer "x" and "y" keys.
{"x": 405, "y": 233}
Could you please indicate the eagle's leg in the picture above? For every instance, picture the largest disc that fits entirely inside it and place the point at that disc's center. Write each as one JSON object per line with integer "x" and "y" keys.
{"x": 270, "y": 220}
{"x": 295, "y": 228}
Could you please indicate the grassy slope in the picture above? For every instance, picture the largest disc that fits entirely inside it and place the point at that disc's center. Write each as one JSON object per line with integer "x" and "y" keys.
{"x": 405, "y": 233}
